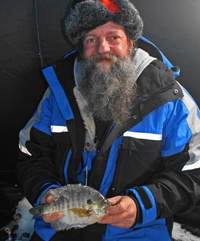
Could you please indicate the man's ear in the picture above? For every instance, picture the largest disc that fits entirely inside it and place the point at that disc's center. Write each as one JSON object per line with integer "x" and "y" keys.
{"x": 131, "y": 43}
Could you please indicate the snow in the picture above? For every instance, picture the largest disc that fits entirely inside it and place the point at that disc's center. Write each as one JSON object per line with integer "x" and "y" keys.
{"x": 25, "y": 223}
{"x": 180, "y": 234}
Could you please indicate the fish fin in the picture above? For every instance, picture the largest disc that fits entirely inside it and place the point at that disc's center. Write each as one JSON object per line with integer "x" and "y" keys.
{"x": 82, "y": 212}
{"x": 36, "y": 211}
{"x": 79, "y": 226}
{"x": 59, "y": 225}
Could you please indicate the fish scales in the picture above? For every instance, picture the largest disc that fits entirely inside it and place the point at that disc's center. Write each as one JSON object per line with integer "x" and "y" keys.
{"x": 80, "y": 206}
{"x": 74, "y": 204}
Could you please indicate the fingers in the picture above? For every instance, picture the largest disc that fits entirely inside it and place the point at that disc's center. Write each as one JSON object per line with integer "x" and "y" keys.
{"x": 119, "y": 204}
{"x": 48, "y": 197}
{"x": 48, "y": 218}
{"x": 122, "y": 214}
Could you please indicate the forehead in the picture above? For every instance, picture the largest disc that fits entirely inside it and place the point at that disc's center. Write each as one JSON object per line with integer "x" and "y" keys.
{"x": 107, "y": 28}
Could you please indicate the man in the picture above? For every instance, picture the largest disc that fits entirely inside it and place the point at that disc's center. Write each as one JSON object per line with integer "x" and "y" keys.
{"x": 115, "y": 110}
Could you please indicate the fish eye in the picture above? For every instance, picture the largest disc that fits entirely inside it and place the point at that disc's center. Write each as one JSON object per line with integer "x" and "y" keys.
{"x": 103, "y": 202}
{"x": 89, "y": 201}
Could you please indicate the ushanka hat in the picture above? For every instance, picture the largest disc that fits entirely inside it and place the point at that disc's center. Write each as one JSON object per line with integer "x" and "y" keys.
{"x": 91, "y": 14}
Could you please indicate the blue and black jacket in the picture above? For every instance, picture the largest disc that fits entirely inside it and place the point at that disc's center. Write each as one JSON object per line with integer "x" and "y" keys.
{"x": 153, "y": 156}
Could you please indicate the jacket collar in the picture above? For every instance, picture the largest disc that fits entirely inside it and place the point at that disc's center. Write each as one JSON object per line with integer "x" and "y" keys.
{"x": 140, "y": 61}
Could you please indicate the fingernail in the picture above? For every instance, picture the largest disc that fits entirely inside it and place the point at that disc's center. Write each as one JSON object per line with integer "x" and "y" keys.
{"x": 107, "y": 212}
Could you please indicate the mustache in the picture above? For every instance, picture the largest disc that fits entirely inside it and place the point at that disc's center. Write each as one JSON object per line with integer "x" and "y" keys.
{"x": 110, "y": 98}
{"x": 109, "y": 57}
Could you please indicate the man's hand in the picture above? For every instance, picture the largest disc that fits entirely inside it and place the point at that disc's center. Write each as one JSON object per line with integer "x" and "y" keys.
{"x": 122, "y": 214}
{"x": 49, "y": 198}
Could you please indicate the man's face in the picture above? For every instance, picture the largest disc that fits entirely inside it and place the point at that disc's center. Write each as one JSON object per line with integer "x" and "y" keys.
{"x": 109, "y": 38}
{"x": 107, "y": 73}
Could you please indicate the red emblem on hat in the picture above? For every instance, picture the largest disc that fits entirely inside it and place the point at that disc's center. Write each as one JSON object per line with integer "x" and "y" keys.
{"x": 111, "y": 5}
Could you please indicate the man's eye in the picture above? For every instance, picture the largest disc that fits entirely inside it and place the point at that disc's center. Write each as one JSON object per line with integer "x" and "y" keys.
{"x": 90, "y": 40}
{"x": 114, "y": 37}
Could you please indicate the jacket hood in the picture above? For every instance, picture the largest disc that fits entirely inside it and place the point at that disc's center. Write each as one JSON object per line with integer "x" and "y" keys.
{"x": 141, "y": 60}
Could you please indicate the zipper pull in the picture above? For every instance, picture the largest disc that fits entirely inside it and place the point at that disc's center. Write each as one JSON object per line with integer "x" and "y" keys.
{"x": 86, "y": 175}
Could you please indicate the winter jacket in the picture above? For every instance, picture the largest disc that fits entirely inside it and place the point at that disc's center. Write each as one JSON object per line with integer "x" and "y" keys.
{"x": 153, "y": 156}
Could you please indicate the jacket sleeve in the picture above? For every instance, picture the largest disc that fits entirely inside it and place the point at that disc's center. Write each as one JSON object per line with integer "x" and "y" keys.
{"x": 36, "y": 171}
{"x": 176, "y": 188}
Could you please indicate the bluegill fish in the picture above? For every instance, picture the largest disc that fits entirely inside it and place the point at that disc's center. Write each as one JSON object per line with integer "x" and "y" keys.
{"x": 80, "y": 205}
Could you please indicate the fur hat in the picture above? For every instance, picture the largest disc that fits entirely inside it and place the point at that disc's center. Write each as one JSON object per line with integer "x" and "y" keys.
{"x": 91, "y": 14}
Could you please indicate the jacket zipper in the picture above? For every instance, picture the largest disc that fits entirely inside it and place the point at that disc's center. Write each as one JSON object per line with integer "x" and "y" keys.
{"x": 61, "y": 174}
{"x": 118, "y": 163}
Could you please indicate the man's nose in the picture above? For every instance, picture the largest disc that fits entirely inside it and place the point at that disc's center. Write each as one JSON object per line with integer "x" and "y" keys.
{"x": 103, "y": 46}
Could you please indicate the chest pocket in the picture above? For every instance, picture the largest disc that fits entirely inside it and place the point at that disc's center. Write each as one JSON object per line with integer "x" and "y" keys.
{"x": 138, "y": 160}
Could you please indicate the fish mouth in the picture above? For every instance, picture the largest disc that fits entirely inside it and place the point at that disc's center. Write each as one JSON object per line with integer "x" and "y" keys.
{"x": 107, "y": 205}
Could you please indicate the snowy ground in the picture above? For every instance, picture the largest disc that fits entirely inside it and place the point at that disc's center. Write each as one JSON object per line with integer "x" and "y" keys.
{"x": 179, "y": 234}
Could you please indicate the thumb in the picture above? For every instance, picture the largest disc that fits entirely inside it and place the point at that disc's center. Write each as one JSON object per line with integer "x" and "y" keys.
{"x": 47, "y": 197}
{"x": 50, "y": 198}
{"x": 115, "y": 200}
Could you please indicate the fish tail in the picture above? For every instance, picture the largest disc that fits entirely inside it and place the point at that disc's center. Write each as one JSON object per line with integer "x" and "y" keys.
{"x": 36, "y": 211}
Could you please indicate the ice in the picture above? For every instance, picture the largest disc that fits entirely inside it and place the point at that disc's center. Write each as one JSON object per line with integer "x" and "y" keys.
{"x": 180, "y": 234}
{"x": 25, "y": 223}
